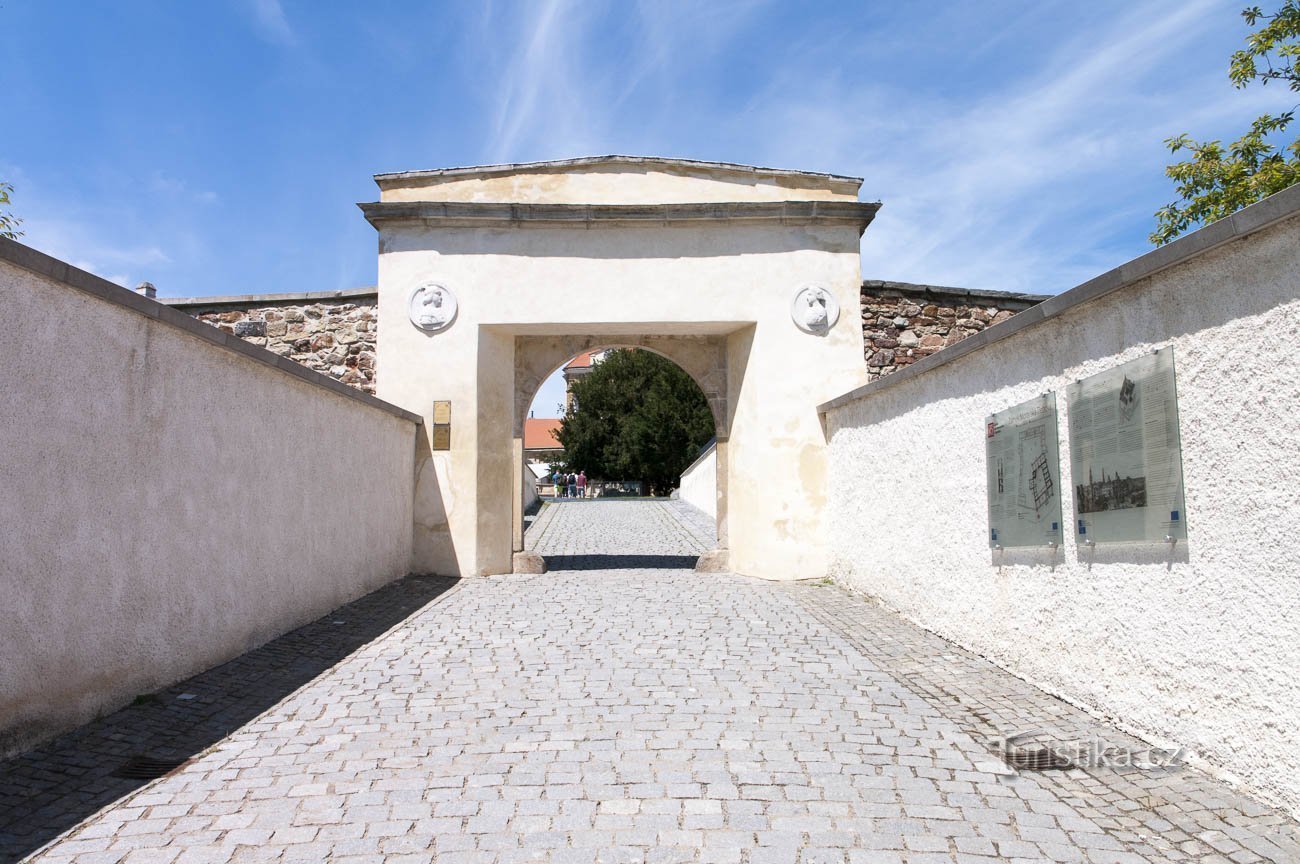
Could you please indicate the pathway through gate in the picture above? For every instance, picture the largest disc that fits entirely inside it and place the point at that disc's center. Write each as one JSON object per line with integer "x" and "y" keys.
{"x": 606, "y": 534}
{"x": 643, "y": 712}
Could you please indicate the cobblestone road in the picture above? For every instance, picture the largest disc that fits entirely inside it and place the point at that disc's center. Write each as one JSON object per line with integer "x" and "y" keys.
{"x": 627, "y": 709}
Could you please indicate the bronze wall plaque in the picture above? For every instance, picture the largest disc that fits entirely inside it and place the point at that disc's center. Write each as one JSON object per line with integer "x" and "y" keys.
{"x": 441, "y": 412}
{"x": 441, "y": 436}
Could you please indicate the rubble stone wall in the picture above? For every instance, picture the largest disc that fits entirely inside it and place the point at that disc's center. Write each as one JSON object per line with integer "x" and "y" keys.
{"x": 903, "y": 322}
{"x": 332, "y": 335}
{"x": 336, "y": 334}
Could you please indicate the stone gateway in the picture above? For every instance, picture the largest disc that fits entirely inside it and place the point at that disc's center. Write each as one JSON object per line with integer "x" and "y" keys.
{"x": 697, "y": 261}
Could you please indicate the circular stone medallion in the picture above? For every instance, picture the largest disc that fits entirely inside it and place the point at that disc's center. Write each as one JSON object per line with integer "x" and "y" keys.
{"x": 814, "y": 309}
{"x": 432, "y": 307}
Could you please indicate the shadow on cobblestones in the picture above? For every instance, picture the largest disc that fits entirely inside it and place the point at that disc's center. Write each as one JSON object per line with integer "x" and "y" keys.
{"x": 620, "y": 562}
{"x": 48, "y": 790}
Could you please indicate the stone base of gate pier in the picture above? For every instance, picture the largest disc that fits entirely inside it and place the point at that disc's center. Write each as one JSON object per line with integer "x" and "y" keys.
{"x": 529, "y": 562}
{"x": 714, "y": 561}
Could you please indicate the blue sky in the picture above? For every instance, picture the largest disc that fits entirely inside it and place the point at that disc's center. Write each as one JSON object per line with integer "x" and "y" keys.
{"x": 219, "y": 147}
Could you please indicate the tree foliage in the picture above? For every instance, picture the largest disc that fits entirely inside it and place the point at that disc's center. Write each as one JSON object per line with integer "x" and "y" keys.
{"x": 1218, "y": 181}
{"x": 635, "y": 416}
{"x": 8, "y": 222}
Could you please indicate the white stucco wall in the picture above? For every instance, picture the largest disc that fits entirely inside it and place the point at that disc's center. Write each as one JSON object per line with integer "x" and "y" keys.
{"x": 731, "y": 280}
{"x": 169, "y": 503}
{"x": 699, "y": 483}
{"x": 1199, "y": 647}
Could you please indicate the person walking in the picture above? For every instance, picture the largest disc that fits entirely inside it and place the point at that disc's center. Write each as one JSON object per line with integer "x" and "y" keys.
{"x": 560, "y": 487}
{"x": 582, "y": 484}
{"x": 573, "y": 485}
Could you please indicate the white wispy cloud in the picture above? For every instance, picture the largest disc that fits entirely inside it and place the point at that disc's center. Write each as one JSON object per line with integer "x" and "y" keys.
{"x": 540, "y": 95}
{"x": 564, "y": 90}
{"x": 179, "y": 191}
{"x": 113, "y": 239}
{"x": 86, "y": 245}
{"x": 1006, "y": 191}
{"x": 1024, "y": 186}
{"x": 270, "y": 22}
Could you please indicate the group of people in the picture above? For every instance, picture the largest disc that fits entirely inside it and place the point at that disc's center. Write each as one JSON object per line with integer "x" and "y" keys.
{"x": 570, "y": 485}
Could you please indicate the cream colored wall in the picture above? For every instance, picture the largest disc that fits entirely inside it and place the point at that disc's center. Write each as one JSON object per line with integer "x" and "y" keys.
{"x": 168, "y": 504}
{"x": 616, "y": 184}
{"x": 733, "y": 280}
{"x": 530, "y": 490}
{"x": 1197, "y": 646}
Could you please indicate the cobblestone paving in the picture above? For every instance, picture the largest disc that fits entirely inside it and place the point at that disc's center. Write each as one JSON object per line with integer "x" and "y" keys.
{"x": 605, "y": 533}
{"x": 629, "y": 714}
{"x": 1166, "y": 815}
{"x": 50, "y": 789}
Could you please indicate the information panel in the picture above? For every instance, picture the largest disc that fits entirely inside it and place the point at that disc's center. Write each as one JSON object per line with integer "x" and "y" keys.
{"x": 1126, "y": 459}
{"x": 1023, "y": 454}
{"x": 441, "y": 425}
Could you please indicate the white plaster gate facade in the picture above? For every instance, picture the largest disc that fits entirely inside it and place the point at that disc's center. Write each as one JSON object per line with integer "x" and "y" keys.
{"x": 698, "y": 261}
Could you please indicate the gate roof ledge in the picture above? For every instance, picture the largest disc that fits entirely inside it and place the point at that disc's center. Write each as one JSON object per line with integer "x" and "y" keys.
{"x": 613, "y": 159}
{"x": 470, "y": 213}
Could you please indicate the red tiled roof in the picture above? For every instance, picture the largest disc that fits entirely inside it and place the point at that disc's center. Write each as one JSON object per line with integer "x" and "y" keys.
{"x": 539, "y": 433}
{"x": 580, "y": 361}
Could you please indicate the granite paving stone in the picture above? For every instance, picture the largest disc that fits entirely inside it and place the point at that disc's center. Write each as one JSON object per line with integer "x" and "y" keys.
{"x": 623, "y": 708}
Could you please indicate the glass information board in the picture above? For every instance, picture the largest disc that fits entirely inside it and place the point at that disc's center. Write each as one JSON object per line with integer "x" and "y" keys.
{"x": 1023, "y": 454}
{"x": 1126, "y": 460}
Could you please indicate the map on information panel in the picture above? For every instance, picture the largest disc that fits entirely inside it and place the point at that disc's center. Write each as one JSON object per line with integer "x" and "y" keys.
{"x": 1024, "y": 475}
{"x": 1126, "y": 456}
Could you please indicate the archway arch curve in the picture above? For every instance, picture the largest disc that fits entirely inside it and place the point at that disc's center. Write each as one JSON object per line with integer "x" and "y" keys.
{"x": 703, "y": 358}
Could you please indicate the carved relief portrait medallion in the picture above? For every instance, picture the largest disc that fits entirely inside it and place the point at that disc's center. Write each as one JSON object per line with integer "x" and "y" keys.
{"x": 814, "y": 310}
{"x": 432, "y": 307}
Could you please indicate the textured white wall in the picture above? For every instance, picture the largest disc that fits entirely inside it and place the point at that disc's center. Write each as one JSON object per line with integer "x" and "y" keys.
{"x": 168, "y": 504}
{"x": 699, "y": 483}
{"x": 1200, "y": 647}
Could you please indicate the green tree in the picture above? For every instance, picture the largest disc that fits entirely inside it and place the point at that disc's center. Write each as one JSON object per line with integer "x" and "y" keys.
{"x": 8, "y": 222}
{"x": 1219, "y": 181}
{"x": 635, "y": 416}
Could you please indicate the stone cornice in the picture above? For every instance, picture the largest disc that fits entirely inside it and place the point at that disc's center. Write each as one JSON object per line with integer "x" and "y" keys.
{"x": 942, "y": 293}
{"x": 271, "y": 299}
{"x": 854, "y": 213}
{"x": 640, "y": 162}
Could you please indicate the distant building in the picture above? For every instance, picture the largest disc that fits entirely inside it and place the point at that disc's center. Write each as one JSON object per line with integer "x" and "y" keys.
{"x": 541, "y": 447}
{"x": 577, "y": 368}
